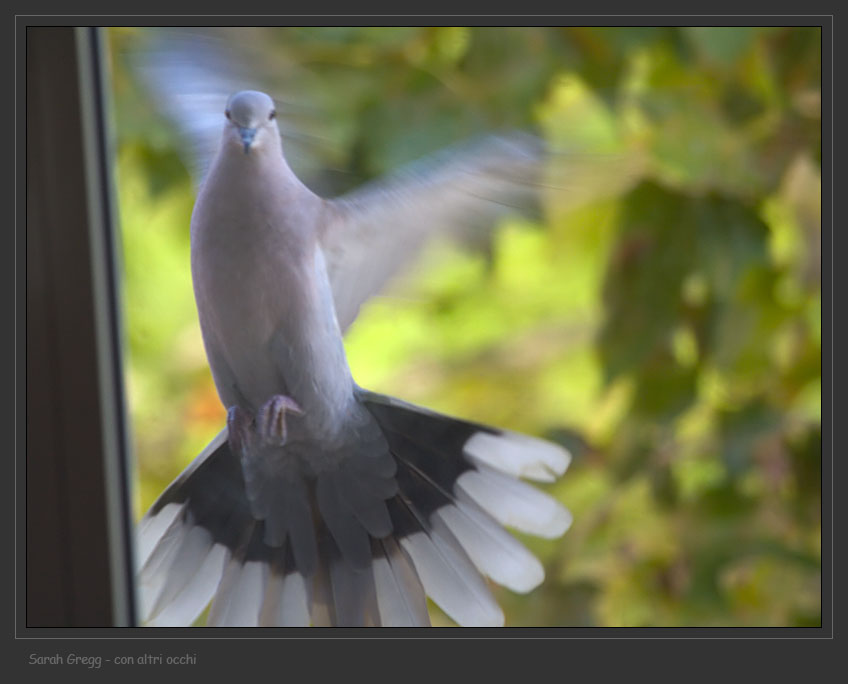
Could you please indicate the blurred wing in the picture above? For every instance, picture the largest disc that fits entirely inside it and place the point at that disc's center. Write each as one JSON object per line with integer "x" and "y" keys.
{"x": 374, "y": 231}
{"x": 192, "y": 73}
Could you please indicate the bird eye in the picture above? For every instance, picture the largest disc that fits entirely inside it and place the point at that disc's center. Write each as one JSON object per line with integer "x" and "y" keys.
{"x": 227, "y": 113}
{"x": 272, "y": 115}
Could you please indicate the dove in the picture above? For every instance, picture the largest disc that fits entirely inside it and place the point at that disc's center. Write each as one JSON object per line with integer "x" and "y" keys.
{"x": 323, "y": 503}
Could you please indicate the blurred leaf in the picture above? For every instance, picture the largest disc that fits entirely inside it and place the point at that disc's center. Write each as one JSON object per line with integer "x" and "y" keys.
{"x": 723, "y": 44}
{"x": 739, "y": 429}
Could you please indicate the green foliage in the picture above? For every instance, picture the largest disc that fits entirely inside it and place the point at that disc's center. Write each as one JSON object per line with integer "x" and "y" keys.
{"x": 663, "y": 319}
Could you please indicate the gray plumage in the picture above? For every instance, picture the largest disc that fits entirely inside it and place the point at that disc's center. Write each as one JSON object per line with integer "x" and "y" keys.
{"x": 323, "y": 503}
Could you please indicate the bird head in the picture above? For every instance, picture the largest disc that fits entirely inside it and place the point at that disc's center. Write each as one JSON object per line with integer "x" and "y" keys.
{"x": 251, "y": 120}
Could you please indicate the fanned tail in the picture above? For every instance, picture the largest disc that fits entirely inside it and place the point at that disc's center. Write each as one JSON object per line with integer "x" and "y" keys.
{"x": 362, "y": 544}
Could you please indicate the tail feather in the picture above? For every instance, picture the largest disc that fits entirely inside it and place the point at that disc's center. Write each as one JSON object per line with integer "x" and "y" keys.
{"x": 518, "y": 455}
{"x": 322, "y": 611}
{"x": 152, "y": 528}
{"x": 300, "y": 524}
{"x": 447, "y": 574}
{"x": 350, "y": 537}
{"x": 354, "y": 595}
{"x": 238, "y": 600}
{"x": 514, "y": 503}
{"x": 184, "y": 605}
{"x": 494, "y": 551}
{"x": 400, "y": 596}
{"x": 286, "y": 601}
{"x": 359, "y": 545}
{"x": 349, "y": 592}
{"x": 186, "y": 561}
{"x": 156, "y": 573}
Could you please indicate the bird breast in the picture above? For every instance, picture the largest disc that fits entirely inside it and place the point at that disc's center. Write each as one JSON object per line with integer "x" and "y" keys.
{"x": 264, "y": 299}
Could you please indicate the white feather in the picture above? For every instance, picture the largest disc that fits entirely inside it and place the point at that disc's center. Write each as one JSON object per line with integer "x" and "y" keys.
{"x": 519, "y": 455}
{"x": 286, "y": 602}
{"x": 400, "y": 599}
{"x": 187, "y": 558}
{"x": 151, "y": 528}
{"x": 451, "y": 580}
{"x": 294, "y": 602}
{"x": 195, "y": 595}
{"x": 154, "y": 572}
{"x": 150, "y": 531}
{"x": 239, "y": 597}
{"x": 513, "y": 503}
{"x": 492, "y": 549}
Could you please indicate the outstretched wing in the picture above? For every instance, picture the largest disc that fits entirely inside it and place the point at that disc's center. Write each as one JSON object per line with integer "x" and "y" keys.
{"x": 191, "y": 73}
{"x": 374, "y": 231}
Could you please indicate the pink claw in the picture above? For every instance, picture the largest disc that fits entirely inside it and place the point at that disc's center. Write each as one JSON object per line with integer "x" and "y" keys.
{"x": 273, "y": 418}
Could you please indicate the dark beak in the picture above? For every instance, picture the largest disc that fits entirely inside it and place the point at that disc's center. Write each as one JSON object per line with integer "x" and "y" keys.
{"x": 247, "y": 135}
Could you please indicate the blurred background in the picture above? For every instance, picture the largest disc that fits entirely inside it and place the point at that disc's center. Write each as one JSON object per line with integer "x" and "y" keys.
{"x": 661, "y": 318}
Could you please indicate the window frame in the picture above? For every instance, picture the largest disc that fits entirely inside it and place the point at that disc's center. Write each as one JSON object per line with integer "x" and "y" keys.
{"x": 75, "y": 455}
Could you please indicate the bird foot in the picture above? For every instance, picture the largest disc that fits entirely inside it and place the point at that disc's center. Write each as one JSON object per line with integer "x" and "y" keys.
{"x": 272, "y": 418}
{"x": 269, "y": 424}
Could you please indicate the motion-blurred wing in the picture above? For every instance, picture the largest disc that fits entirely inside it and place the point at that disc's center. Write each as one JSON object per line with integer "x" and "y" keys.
{"x": 374, "y": 231}
{"x": 191, "y": 73}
